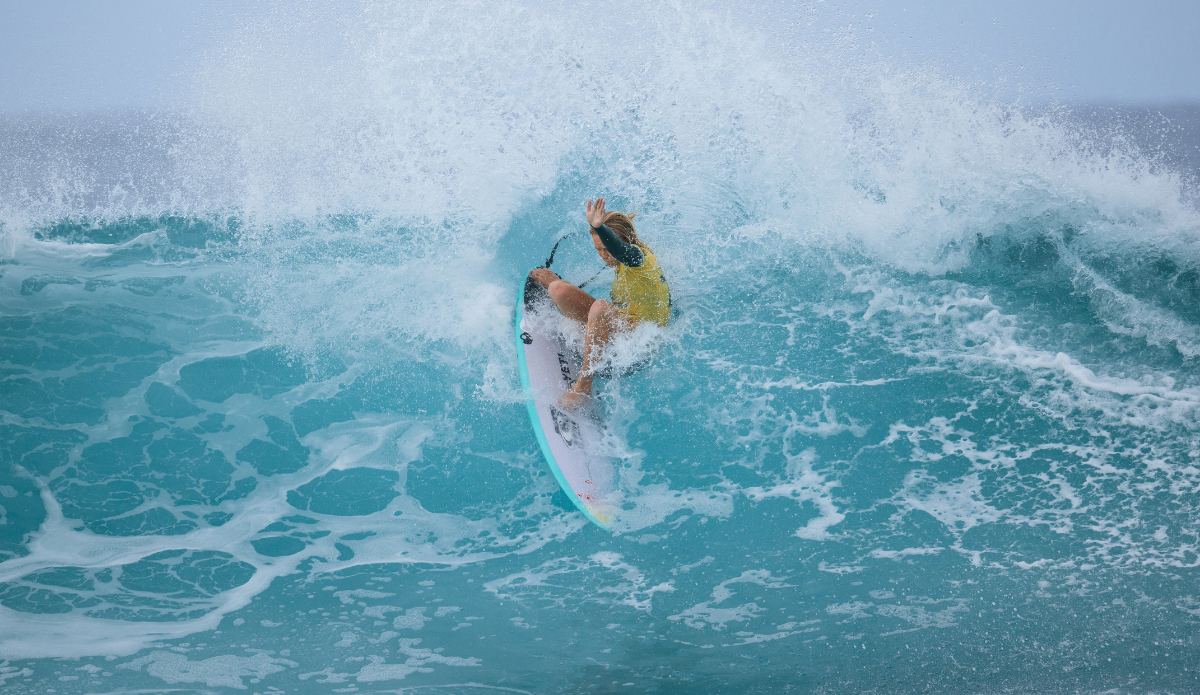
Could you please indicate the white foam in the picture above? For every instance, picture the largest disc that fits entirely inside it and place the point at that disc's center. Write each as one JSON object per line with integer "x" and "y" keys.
{"x": 379, "y": 670}
{"x": 215, "y": 672}
{"x": 620, "y": 584}
{"x": 960, "y": 504}
{"x": 1127, "y": 315}
{"x": 915, "y": 612}
{"x": 972, "y": 333}
{"x": 708, "y": 614}
{"x": 389, "y": 443}
{"x": 804, "y": 484}
{"x": 413, "y": 619}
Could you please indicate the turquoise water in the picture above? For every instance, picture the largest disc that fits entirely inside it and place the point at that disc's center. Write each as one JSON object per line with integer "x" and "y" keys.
{"x": 926, "y": 420}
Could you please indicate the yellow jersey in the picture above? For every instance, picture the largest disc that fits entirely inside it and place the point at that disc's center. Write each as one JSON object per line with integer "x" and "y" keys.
{"x": 641, "y": 293}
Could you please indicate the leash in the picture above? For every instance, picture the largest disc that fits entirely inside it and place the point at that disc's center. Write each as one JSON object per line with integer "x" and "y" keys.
{"x": 555, "y": 250}
{"x": 585, "y": 282}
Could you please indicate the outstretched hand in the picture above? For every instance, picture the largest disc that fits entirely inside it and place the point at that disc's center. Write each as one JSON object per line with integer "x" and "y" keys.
{"x": 595, "y": 214}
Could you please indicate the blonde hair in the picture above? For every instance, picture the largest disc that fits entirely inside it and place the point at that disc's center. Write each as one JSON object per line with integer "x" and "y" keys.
{"x": 622, "y": 226}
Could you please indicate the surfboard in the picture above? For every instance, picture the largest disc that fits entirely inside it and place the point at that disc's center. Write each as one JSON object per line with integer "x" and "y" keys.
{"x": 568, "y": 440}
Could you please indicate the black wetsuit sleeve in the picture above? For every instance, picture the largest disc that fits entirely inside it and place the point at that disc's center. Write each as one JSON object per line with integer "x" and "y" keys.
{"x": 625, "y": 253}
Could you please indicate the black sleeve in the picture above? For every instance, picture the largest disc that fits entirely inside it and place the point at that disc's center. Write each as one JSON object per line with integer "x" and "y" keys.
{"x": 626, "y": 254}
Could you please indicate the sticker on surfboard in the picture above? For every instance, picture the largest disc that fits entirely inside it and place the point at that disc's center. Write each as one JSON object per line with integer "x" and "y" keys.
{"x": 568, "y": 439}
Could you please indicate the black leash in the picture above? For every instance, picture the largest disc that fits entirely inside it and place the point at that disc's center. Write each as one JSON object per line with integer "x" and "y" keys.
{"x": 555, "y": 250}
{"x": 585, "y": 282}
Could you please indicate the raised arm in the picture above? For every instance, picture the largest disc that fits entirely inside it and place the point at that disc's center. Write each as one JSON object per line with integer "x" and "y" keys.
{"x": 625, "y": 253}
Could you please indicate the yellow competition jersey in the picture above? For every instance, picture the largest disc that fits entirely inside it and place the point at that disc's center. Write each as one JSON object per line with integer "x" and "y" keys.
{"x": 641, "y": 293}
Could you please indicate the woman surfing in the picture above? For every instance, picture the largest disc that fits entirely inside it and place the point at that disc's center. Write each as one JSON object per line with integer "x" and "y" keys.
{"x": 639, "y": 293}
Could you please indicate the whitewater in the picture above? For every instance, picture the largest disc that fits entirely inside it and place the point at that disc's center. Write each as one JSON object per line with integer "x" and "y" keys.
{"x": 926, "y": 419}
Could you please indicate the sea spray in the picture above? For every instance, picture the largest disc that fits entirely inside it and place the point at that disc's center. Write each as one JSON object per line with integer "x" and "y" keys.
{"x": 926, "y": 413}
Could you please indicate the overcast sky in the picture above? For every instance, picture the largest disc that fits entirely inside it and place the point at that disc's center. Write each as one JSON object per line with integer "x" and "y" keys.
{"x": 84, "y": 54}
{"x": 1097, "y": 51}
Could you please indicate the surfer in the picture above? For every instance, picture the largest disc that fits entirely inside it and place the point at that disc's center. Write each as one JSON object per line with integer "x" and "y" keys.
{"x": 639, "y": 293}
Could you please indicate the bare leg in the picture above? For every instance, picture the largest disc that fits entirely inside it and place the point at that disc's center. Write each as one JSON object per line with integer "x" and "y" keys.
{"x": 573, "y": 302}
{"x": 603, "y": 321}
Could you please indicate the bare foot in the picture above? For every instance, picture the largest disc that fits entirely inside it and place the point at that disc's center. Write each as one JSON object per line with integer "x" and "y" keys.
{"x": 574, "y": 399}
{"x": 543, "y": 276}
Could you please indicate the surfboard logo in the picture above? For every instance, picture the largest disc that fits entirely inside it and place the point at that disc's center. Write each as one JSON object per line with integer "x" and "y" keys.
{"x": 526, "y": 338}
{"x": 564, "y": 426}
{"x": 564, "y": 367}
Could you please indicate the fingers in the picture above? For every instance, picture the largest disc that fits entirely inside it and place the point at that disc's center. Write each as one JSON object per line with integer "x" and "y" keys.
{"x": 595, "y": 212}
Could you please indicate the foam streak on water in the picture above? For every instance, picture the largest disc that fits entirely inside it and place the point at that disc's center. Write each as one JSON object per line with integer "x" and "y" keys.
{"x": 927, "y": 414}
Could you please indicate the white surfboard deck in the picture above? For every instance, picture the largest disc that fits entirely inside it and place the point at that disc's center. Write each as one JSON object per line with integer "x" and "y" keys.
{"x": 548, "y": 367}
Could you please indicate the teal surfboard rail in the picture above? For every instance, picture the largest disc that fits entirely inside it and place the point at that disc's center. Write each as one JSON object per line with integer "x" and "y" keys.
{"x": 531, "y": 405}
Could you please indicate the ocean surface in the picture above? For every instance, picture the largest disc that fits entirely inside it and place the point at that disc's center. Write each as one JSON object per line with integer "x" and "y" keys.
{"x": 927, "y": 419}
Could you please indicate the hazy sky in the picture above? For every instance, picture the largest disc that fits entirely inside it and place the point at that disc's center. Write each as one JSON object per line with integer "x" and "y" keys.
{"x": 82, "y": 54}
{"x": 1126, "y": 51}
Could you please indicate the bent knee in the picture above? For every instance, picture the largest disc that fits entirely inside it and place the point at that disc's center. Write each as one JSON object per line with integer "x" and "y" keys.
{"x": 558, "y": 289}
{"x": 600, "y": 309}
